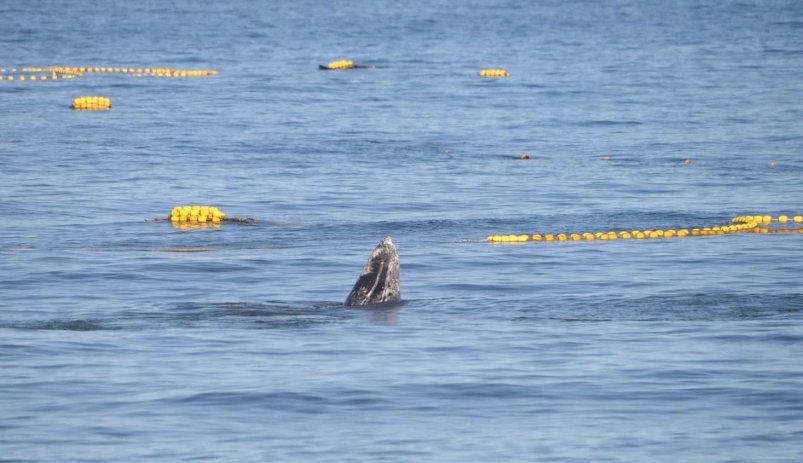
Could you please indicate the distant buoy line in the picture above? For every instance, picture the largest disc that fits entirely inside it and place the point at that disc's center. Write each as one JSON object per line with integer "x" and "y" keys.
{"x": 762, "y": 224}
{"x": 50, "y": 73}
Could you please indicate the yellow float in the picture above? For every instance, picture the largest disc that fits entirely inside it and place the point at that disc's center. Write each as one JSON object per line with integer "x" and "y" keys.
{"x": 91, "y": 103}
{"x": 494, "y": 73}
{"x": 197, "y": 214}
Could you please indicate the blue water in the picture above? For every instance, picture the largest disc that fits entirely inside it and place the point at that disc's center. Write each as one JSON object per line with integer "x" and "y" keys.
{"x": 116, "y": 347}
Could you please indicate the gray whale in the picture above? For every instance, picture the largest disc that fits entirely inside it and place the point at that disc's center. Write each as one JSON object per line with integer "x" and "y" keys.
{"x": 379, "y": 281}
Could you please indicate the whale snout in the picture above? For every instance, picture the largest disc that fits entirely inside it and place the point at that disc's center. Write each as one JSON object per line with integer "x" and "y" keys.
{"x": 379, "y": 281}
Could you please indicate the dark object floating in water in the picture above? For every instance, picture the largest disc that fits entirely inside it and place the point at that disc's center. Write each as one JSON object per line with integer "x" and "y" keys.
{"x": 379, "y": 281}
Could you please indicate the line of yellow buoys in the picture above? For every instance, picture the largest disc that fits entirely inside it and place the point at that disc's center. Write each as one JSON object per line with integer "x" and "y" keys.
{"x": 39, "y": 74}
{"x": 45, "y": 73}
{"x": 739, "y": 224}
{"x": 50, "y": 73}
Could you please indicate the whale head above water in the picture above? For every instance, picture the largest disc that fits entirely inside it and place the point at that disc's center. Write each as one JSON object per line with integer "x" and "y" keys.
{"x": 379, "y": 281}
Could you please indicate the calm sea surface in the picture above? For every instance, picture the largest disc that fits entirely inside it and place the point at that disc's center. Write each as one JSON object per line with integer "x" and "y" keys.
{"x": 116, "y": 347}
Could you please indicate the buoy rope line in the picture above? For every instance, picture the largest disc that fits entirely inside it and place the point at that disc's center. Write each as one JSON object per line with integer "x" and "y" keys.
{"x": 32, "y": 73}
{"x": 740, "y": 224}
{"x": 49, "y": 73}
{"x": 196, "y": 214}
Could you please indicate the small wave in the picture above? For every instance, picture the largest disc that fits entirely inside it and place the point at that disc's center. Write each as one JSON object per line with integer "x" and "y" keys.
{"x": 250, "y": 398}
{"x": 59, "y": 325}
{"x": 180, "y": 249}
{"x": 607, "y": 123}
{"x": 300, "y": 402}
{"x": 267, "y": 315}
{"x": 692, "y": 307}
{"x": 783, "y": 51}
{"x": 19, "y": 249}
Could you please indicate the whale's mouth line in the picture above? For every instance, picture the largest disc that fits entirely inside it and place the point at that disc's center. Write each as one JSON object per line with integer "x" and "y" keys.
{"x": 379, "y": 276}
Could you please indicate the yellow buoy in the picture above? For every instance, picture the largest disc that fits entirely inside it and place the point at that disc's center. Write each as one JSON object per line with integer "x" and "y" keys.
{"x": 340, "y": 64}
{"x": 494, "y": 73}
{"x": 199, "y": 214}
{"x": 91, "y": 103}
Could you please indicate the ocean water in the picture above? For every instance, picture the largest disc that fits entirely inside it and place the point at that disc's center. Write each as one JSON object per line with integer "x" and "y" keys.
{"x": 118, "y": 344}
